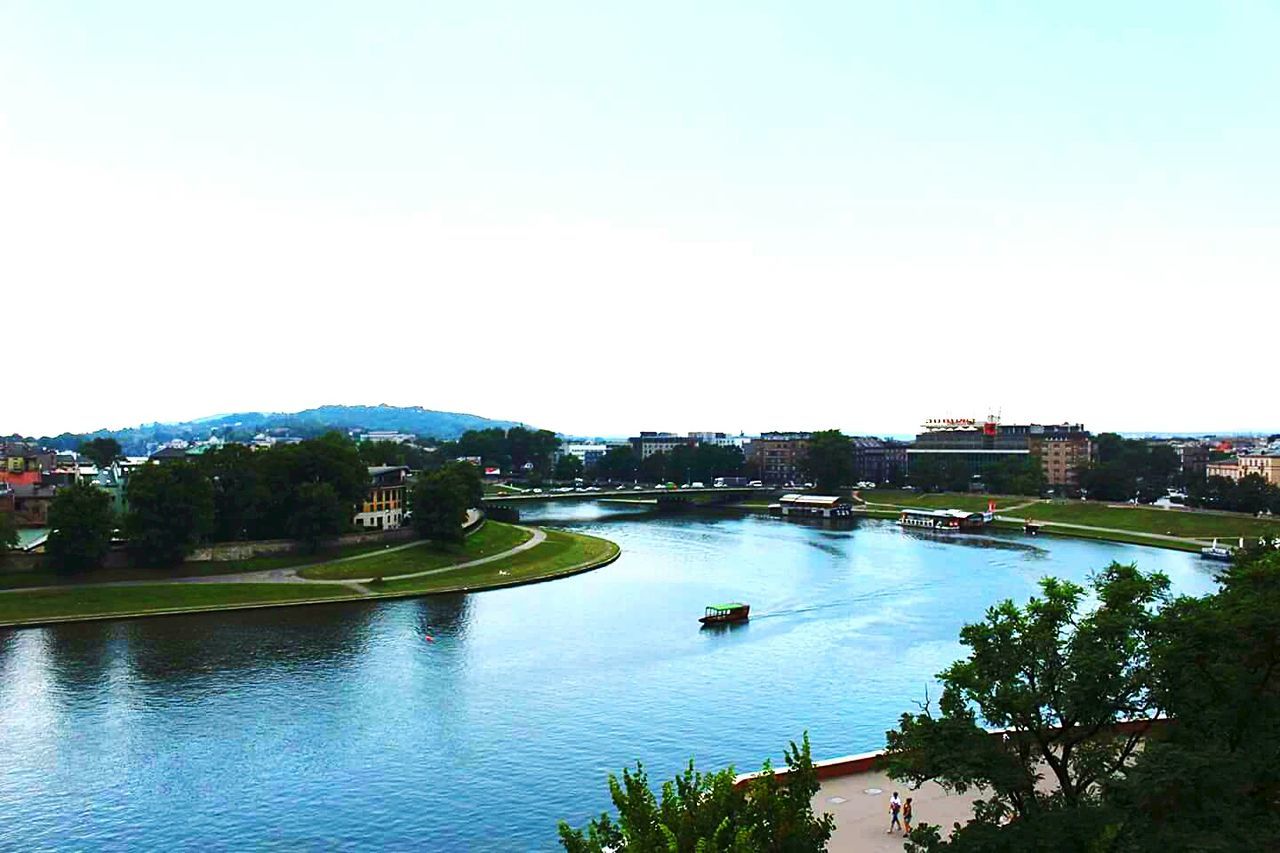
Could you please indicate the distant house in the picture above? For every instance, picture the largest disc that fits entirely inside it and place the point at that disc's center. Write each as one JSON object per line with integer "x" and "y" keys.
{"x": 384, "y": 503}
{"x": 169, "y": 454}
{"x": 31, "y": 504}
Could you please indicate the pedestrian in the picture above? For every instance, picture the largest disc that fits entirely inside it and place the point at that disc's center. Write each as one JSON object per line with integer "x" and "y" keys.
{"x": 895, "y": 809}
{"x": 906, "y": 818}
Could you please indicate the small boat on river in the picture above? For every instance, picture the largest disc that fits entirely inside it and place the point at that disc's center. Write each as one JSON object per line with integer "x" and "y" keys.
{"x": 1219, "y": 552}
{"x": 723, "y": 614}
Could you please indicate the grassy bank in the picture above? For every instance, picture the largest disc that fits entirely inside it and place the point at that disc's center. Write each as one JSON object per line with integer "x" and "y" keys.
{"x": 493, "y": 538}
{"x": 13, "y": 579}
{"x": 941, "y": 500}
{"x": 1170, "y": 522}
{"x": 90, "y": 602}
{"x": 561, "y": 554}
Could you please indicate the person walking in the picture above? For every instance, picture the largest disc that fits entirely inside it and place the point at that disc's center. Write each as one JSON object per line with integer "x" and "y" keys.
{"x": 906, "y": 818}
{"x": 895, "y": 810}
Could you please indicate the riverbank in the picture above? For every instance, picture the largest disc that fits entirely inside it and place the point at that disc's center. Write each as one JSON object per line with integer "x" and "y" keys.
{"x": 554, "y": 554}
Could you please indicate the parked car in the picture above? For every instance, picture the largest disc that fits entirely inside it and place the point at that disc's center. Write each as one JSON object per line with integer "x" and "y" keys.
{"x": 756, "y": 484}
{"x": 697, "y": 486}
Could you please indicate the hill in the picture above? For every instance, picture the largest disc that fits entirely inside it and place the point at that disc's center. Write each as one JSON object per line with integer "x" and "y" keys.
{"x": 309, "y": 422}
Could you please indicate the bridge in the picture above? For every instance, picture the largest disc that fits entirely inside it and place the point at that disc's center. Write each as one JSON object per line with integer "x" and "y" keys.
{"x": 664, "y": 496}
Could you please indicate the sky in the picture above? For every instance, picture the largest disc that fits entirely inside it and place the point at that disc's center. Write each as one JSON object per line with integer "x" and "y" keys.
{"x": 603, "y": 217}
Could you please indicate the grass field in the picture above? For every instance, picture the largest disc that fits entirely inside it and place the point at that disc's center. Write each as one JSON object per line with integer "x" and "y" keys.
{"x": 493, "y": 538}
{"x": 1196, "y": 525}
{"x": 561, "y": 553}
{"x": 50, "y": 577}
{"x": 940, "y": 500}
{"x": 121, "y": 600}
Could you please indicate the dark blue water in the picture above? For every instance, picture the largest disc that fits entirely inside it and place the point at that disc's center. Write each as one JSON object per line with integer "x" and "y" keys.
{"x": 340, "y": 727}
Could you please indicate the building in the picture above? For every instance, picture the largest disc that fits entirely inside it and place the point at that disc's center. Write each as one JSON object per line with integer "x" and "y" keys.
{"x": 384, "y": 504}
{"x": 1061, "y": 448}
{"x": 1193, "y": 457}
{"x": 1264, "y": 465}
{"x": 779, "y": 456}
{"x": 815, "y": 506}
{"x": 31, "y": 504}
{"x": 387, "y": 435}
{"x": 1061, "y": 456}
{"x": 877, "y": 460}
{"x": 648, "y": 443}
{"x": 720, "y": 439}
{"x": 588, "y": 454}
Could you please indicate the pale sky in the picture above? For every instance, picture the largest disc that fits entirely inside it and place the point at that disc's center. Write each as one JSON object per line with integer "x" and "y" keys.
{"x": 605, "y": 217}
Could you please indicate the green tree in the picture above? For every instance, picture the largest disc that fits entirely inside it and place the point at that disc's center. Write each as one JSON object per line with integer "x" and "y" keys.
{"x": 234, "y": 474}
{"x": 318, "y": 514}
{"x": 170, "y": 512}
{"x": 103, "y": 451}
{"x": 8, "y": 533}
{"x": 707, "y": 813}
{"x": 441, "y": 499}
{"x": 1055, "y": 678}
{"x": 829, "y": 461}
{"x": 81, "y": 522}
{"x": 568, "y": 467}
{"x": 618, "y": 463}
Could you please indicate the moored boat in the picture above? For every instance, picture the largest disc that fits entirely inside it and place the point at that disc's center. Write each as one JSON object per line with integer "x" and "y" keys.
{"x": 1219, "y": 552}
{"x": 720, "y": 614}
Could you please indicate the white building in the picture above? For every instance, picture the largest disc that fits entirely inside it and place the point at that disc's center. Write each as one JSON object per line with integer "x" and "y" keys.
{"x": 588, "y": 454}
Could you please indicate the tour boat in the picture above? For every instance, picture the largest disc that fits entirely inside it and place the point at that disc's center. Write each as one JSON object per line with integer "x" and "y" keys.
{"x": 1218, "y": 552}
{"x": 719, "y": 614}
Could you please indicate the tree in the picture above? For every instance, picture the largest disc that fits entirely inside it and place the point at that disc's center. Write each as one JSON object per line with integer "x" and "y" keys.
{"x": 170, "y": 512}
{"x": 103, "y": 451}
{"x": 568, "y": 467}
{"x": 318, "y": 513}
{"x": 234, "y": 474}
{"x": 707, "y": 813}
{"x": 441, "y": 499}
{"x": 1056, "y": 679}
{"x": 81, "y": 522}
{"x": 8, "y": 533}
{"x": 1019, "y": 475}
{"x": 618, "y": 463}
{"x": 829, "y": 460}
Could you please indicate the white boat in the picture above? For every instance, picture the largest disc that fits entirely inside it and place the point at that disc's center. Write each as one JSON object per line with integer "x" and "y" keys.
{"x": 1219, "y": 552}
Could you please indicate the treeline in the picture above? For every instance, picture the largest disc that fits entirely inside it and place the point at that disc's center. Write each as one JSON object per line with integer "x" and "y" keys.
{"x": 1012, "y": 476}
{"x": 1126, "y": 468}
{"x": 1250, "y": 494}
{"x": 508, "y": 449}
{"x": 306, "y": 491}
{"x": 683, "y": 464}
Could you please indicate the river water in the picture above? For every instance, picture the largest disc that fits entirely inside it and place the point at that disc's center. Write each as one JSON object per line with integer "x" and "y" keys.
{"x": 342, "y": 727}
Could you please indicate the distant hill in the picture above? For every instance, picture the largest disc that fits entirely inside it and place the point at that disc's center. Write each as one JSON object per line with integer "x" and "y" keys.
{"x": 310, "y": 422}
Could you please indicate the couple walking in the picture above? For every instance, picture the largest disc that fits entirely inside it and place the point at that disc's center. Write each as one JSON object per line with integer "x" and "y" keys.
{"x": 899, "y": 809}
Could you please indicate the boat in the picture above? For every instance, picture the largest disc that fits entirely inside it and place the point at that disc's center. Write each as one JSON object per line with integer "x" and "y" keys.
{"x": 722, "y": 614}
{"x": 1218, "y": 552}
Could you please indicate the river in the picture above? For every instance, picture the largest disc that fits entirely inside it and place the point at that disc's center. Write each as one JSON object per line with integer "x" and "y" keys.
{"x": 343, "y": 727}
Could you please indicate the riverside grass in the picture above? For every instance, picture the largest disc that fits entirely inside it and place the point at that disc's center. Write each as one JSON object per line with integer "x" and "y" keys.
{"x": 493, "y": 538}
{"x": 562, "y": 553}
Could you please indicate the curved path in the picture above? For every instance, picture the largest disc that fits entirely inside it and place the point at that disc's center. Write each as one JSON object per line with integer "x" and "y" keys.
{"x": 291, "y": 576}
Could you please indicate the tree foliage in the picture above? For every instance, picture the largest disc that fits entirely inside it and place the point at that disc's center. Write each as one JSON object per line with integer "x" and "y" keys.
{"x": 707, "y": 813}
{"x": 317, "y": 514}
{"x": 103, "y": 451}
{"x": 1127, "y": 468}
{"x": 8, "y": 532}
{"x": 568, "y": 467}
{"x": 81, "y": 522}
{"x": 170, "y": 512}
{"x": 441, "y": 499}
{"x": 1057, "y": 677}
{"x": 1250, "y": 493}
{"x": 828, "y": 461}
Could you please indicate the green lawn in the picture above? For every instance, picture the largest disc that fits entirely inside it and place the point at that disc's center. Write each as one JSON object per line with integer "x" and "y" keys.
{"x": 493, "y": 538}
{"x": 121, "y": 600}
{"x": 1198, "y": 525}
{"x": 49, "y": 577}
{"x": 562, "y": 552}
{"x": 940, "y": 500}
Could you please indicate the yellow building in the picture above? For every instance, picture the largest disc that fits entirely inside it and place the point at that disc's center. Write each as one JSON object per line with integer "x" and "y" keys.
{"x": 1264, "y": 465}
{"x": 383, "y": 506}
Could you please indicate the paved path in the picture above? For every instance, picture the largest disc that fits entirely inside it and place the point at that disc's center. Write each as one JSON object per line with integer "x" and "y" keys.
{"x": 290, "y": 575}
{"x": 1142, "y": 533}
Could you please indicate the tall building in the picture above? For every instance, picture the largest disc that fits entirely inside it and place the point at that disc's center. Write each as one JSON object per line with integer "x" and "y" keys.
{"x": 779, "y": 455}
{"x": 1264, "y": 465}
{"x": 1061, "y": 448}
{"x": 648, "y": 443}
{"x": 877, "y": 460}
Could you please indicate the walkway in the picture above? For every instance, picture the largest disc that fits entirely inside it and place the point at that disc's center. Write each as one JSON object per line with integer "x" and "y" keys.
{"x": 862, "y": 817}
{"x": 290, "y": 575}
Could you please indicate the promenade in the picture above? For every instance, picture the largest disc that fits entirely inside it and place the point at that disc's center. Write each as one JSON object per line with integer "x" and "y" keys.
{"x": 862, "y": 817}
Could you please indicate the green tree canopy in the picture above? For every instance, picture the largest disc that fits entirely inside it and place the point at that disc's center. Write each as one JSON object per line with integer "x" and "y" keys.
{"x": 707, "y": 813}
{"x": 81, "y": 522}
{"x": 441, "y": 499}
{"x": 8, "y": 532}
{"x": 317, "y": 514}
{"x": 829, "y": 461}
{"x": 170, "y": 511}
{"x": 568, "y": 467}
{"x": 103, "y": 451}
